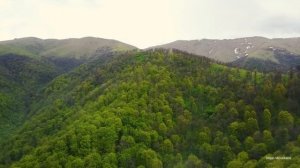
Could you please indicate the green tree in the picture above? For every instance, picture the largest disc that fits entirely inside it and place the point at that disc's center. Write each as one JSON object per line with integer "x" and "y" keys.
{"x": 126, "y": 141}
{"x": 268, "y": 140}
{"x": 110, "y": 160}
{"x": 76, "y": 163}
{"x": 184, "y": 120}
{"x": 149, "y": 159}
{"x": 233, "y": 128}
{"x": 258, "y": 150}
{"x": 285, "y": 119}
{"x": 193, "y": 162}
{"x": 267, "y": 88}
{"x": 205, "y": 151}
{"x": 251, "y": 125}
{"x": 243, "y": 156}
{"x": 92, "y": 160}
{"x": 235, "y": 164}
{"x": 234, "y": 143}
{"x": 221, "y": 155}
{"x": 249, "y": 143}
{"x": 203, "y": 137}
{"x": 85, "y": 145}
{"x": 279, "y": 92}
{"x": 162, "y": 128}
{"x": 266, "y": 119}
{"x": 167, "y": 146}
{"x": 251, "y": 164}
{"x": 249, "y": 114}
{"x": 282, "y": 137}
{"x": 106, "y": 138}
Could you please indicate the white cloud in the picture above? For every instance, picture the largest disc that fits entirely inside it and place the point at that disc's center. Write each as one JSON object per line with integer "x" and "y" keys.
{"x": 144, "y": 22}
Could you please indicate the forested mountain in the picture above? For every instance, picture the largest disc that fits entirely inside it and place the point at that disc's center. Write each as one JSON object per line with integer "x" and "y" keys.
{"x": 65, "y": 54}
{"x": 20, "y": 77}
{"x": 159, "y": 108}
{"x": 28, "y": 64}
{"x": 258, "y": 53}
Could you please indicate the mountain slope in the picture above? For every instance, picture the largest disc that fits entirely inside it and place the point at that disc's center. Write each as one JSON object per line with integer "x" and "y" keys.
{"x": 250, "y": 49}
{"x": 20, "y": 78}
{"x": 74, "y": 48}
{"x": 65, "y": 54}
{"x": 285, "y": 61}
{"x": 156, "y": 109}
{"x": 28, "y": 64}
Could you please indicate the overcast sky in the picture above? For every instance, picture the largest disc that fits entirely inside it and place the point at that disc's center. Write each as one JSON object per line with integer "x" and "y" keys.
{"x": 144, "y": 23}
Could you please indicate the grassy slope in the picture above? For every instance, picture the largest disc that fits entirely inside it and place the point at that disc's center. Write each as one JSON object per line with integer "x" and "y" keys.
{"x": 262, "y": 51}
{"x": 67, "y": 48}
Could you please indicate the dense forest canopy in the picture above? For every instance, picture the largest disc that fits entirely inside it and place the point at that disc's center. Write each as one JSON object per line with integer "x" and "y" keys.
{"x": 159, "y": 108}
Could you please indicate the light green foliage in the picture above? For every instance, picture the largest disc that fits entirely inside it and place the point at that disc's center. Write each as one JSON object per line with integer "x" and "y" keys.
{"x": 153, "y": 109}
{"x": 167, "y": 146}
{"x": 285, "y": 119}
{"x": 243, "y": 156}
{"x": 235, "y": 164}
{"x": 251, "y": 164}
{"x": 249, "y": 114}
{"x": 249, "y": 142}
{"x": 193, "y": 162}
{"x": 204, "y": 137}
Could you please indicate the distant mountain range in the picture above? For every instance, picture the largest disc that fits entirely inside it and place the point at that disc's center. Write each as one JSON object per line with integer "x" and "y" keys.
{"x": 74, "y": 47}
{"x": 249, "y": 52}
{"x": 65, "y": 53}
{"x": 262, "y": 54}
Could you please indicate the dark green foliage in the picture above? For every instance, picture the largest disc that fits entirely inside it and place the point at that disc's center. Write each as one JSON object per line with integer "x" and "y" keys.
{"x": 160, "y": 108}
{"x": 20, "y": 78}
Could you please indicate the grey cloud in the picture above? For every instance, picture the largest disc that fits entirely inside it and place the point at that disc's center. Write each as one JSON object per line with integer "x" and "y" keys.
{"x": 281, "y": 24}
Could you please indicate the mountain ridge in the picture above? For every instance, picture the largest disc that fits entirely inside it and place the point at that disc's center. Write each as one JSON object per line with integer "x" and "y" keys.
{"x": 246, "y": 41}
{"x": 75, "y": 46}
{"x": 242, "y": 52}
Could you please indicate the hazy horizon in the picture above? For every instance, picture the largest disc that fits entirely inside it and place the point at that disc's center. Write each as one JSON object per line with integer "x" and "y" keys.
{"x": 147, "y": 23}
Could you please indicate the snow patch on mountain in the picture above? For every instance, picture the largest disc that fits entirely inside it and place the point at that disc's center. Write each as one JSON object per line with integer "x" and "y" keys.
{"x": 236, "y": 50}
